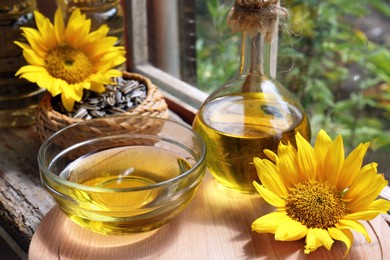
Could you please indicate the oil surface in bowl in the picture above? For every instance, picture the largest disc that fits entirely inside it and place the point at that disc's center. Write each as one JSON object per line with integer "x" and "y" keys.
{"x": 116, "y": 211}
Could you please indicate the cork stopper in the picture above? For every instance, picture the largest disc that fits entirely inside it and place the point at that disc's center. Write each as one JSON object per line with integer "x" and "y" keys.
{"x": 255, "y": 16}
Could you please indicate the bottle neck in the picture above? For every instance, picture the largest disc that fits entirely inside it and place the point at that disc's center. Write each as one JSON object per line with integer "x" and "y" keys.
{"x": 258, "y": 55}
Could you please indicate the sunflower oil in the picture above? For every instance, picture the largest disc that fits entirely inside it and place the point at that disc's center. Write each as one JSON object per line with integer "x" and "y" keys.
{"x": 114, "y": 171}
{"x": 238, "y": 127}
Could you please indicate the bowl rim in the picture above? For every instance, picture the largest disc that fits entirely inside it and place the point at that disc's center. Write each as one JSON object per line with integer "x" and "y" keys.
{"x": 44, "y": 170}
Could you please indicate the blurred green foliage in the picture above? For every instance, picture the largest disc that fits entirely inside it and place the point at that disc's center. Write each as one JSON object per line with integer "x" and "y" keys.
{"x": 341, "y": 77}
{"x": 217, "y": 47}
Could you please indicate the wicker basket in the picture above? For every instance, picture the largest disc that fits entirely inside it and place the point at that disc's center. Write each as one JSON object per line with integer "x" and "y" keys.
{"x": 49, "y": 121}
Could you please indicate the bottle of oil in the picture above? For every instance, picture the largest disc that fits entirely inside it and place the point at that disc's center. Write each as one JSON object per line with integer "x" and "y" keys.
{"x": 253, "y": 111}
{"x": 18, "y": 97}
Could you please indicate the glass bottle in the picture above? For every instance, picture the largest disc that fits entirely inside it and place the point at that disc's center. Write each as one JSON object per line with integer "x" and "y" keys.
{"x": 100, "y": 12}
{"x": 18, "y": 97}
{"x": 248, "y": 114}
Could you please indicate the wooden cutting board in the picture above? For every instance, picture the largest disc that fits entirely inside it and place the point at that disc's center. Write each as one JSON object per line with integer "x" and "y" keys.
{"x": 216, "y": 225}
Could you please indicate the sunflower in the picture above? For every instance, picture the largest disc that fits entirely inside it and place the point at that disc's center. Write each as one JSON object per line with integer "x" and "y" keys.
{"x": 67, "y": 60}
{"x": 318, "y": 193}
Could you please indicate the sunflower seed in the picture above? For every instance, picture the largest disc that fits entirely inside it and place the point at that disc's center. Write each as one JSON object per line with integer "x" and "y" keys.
{"x": 116, "y": 110}
{"x": 88, "y": 106}
{"x": 118, "y": 97}
{"x": 80, "y": 113}
{"x": 111, "y": 101}
{"x": 130, "y": 86}
{"x": 96, "y": 113}
{"x": 137, "y": 93}
{"x": 94, "y": 100}
{"x": 129, "y": 104}
{"x": 122, "y": 95}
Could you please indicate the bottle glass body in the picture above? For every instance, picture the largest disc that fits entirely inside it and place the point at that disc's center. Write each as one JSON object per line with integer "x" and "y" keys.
{"x": 246, "y": 115}
{"x": 18, "y": 97}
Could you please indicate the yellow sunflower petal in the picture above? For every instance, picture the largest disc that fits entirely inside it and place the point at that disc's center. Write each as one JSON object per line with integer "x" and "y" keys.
{"x": 101, "y": 78}
{"x": 324, "y": 238}
{"x": 290, "y": 230}
{"x": 104, "y": 65}
{"x": 46, "y": 81}
{"x": 311, "y": 242}
{"x": 269, "y": 176}
{"x": 364, "y": 200}
{"x": 334, "y": 160}
{"x": 32, "y": 76}
{"x": 71, "y": 91}
{"x": 59, "y": 26}
{"x": 351, "y": 166}
{"x": 288, "y": 165}
{"x": 96, "y": 87}
{"x": 363, "y": 215}
{"x": 321, "y": 146}
{"x": 371, "y": 186}
{"x": 105, "y": 44}
{"x": 306, "y": 158}
{"x": 75, "y": 27}
{"x": 344, "y": 236}
{"x": 83, "y": 31}
{"x": 22, "y": 45}
{"x": 32, "y": 58}
{"x": 354, "y": 225}
{"x": 46, "y": 39}
{"x": 67, "y": 102}
{"x": 96, "y": 35}
{"x": 362, "y": 180}
{"x": 269, "y": 223}
{"x": 90, "y": 46}
{"x": 270, "y": 154}
{"x": 317, "y": 237}
{"x": 380, "y": 205}
{"x": 269, "y": 196}
{"x": 30, "y": 69}
{"x": 112, "y": 73}
{"x": 56, "y": 87}
{"x": 35, "y": 40}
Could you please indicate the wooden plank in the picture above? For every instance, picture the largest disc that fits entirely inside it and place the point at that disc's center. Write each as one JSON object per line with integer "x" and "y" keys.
{"x": 23, "y": 201}
{"x": 216, "y": 225}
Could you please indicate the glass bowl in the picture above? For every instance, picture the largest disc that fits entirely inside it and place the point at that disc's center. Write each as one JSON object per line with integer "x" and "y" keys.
{"x": 122, "y": 174}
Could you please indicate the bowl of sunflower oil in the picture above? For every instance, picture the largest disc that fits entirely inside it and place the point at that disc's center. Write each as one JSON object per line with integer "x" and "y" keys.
{"x": 136, "y": 177}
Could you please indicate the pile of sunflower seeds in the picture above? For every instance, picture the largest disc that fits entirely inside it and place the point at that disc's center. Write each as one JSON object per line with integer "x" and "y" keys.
{"x": 126, "y": 94}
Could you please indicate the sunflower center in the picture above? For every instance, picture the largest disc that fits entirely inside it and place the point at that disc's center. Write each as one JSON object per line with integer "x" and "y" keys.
{"x": 316, "y": 205}
{"x": 69, "y": 64}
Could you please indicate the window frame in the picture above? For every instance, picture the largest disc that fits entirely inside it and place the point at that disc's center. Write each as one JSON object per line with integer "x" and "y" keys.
{"x": 182, "y": 98}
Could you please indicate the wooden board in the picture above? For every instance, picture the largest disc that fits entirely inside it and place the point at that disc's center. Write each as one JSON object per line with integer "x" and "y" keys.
{"x": 23, "y": 201}
{"x": 216, "y": 225}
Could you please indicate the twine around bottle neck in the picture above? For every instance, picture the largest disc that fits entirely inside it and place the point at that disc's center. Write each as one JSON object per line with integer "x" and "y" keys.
{"x": 256, "y": 16}
{"x": 258, "y": 21}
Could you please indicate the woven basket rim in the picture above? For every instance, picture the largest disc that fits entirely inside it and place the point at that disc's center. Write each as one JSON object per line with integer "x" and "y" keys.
{"x": 49, "y": 120}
